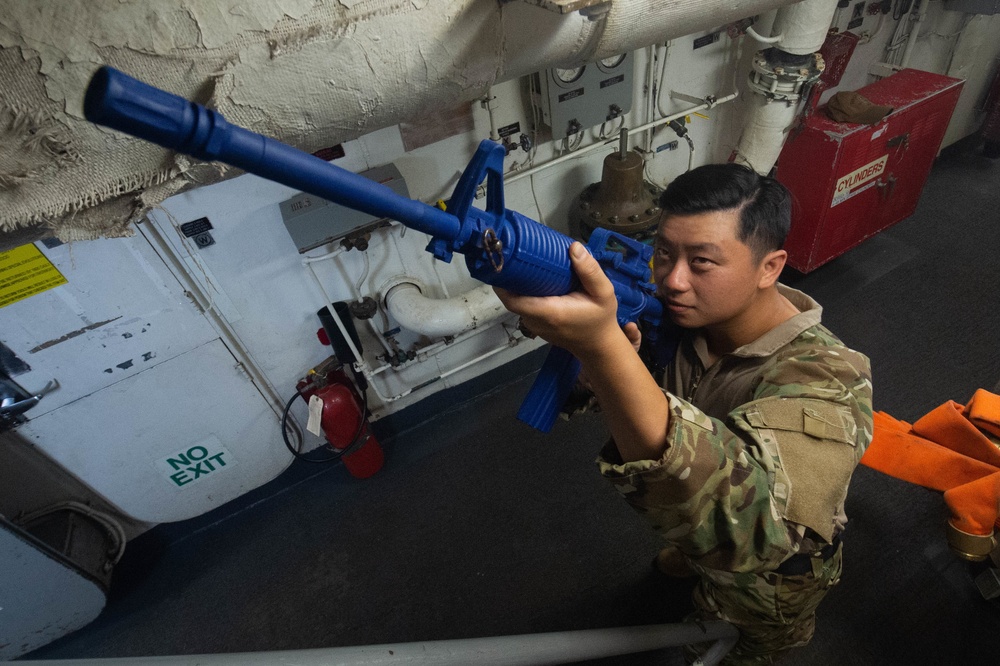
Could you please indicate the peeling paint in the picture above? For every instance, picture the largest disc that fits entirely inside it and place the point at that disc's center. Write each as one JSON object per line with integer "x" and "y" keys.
{"x": 148, "y": 356}
{"x": 70, "y": 335}
{"x": 125, "y": 365}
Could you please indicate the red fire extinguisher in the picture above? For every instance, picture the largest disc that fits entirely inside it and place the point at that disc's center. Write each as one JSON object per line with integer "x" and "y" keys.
{"x": 342, "y": 418}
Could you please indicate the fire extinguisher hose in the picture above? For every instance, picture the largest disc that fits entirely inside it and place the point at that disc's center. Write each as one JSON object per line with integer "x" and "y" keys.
{"x": 360, "y": 437}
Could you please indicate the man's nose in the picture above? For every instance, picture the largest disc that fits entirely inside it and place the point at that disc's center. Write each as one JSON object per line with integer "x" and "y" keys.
{"x": 676, "y": 280}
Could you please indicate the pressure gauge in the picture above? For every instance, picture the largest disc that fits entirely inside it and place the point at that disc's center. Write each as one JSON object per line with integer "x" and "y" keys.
{"x": 566, "y": 76}
{"x": 612, "y": 62}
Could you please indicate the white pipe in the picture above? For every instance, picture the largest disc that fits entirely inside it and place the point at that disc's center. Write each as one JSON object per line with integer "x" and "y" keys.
{"x": 422, "y": 355}
{"x": 444, "y": 317}
{"x": 329, "y": 255}
{"x": 917, "y": 16}
{"x": 560, "y": 647}
{"x": 631, "y": 24}
{"x": 764, "y": 133}
{"x": 804, "y": 25}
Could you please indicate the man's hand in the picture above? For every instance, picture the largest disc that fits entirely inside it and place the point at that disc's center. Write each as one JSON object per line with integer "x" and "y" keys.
{"x": 582, "y": 322}
{"x": 633, "y": 334}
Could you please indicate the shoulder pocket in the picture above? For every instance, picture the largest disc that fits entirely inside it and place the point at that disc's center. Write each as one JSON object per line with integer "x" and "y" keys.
{"x": 815, "y": 443}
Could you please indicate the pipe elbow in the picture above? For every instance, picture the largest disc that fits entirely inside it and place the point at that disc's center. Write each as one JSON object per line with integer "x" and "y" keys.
{"x": 442, "y": 317}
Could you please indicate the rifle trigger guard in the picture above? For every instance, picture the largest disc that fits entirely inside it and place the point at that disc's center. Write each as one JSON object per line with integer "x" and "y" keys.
{"x": 494, "y": 249}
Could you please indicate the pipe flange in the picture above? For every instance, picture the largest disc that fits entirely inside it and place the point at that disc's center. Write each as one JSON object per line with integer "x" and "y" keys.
{"x": 972, "y": 547}
{"x": 781, "y": 82}
{"x": 398, "y": 281}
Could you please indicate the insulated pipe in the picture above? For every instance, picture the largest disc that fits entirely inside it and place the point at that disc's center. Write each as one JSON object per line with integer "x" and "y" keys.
{"x": 764, "y": 133}
{"x": 560, "y": 647}
{"x": 917, "y": 16}
{"x": 442, "y": 317}
{"x": 803, "y": 28}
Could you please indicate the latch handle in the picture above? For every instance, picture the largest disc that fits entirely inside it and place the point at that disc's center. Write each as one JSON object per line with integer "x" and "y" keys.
{"x": 9, "y": 406}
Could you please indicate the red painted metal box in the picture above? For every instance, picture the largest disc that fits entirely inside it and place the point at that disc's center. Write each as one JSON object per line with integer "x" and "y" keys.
{"x": 848, "y": 180}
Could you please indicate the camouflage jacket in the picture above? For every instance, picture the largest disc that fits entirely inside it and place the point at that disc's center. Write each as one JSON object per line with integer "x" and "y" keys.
{"x": 761, "y": 445}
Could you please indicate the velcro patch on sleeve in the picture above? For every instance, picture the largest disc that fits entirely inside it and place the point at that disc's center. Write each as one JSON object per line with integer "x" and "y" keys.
{"x": 816, "y": 451}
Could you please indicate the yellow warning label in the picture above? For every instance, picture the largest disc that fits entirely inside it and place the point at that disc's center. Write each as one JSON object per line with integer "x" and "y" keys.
{"x": 24, "y": 272}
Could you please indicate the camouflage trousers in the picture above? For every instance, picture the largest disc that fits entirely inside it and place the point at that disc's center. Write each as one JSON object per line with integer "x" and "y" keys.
{"x": 773, "y": 613}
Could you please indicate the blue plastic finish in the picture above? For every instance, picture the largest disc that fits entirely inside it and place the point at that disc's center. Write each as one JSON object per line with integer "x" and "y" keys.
{"x": 501, "y": 247}
{"x": 626, "y": 263}
{"x": 120, "y": 102}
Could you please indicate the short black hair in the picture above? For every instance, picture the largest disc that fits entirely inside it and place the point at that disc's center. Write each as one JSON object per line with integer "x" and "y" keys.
{"x": 764, "y": 204}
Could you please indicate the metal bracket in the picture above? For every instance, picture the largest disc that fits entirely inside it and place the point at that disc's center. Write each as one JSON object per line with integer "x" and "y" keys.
{"x": 691, "y": 99}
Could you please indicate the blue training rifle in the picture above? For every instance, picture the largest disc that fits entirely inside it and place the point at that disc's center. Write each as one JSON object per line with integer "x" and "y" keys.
{"x": 501, "y": 247}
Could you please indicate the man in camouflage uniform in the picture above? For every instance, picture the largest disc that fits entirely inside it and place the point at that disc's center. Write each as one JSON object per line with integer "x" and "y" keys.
{"x": 742, "y": 463}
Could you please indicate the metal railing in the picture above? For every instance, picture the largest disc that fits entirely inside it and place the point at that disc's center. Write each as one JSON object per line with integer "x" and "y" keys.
{"x": 524, "y": 650}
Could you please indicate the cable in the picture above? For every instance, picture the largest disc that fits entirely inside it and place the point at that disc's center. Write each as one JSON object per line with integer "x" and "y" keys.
{"x": 690, "y": 151}
{"x": 902, "y": 7}
{"x": 531, "y": 182}
{"x": 682, "y": 132}
{"x": 663, "y": 76}
{"x": 357, "y": 440}
{"x": 601, "y": 134}
{"x": 764, "y": 40}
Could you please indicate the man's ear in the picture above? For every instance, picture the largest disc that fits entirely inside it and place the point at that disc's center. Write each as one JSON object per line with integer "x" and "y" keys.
{"x": 771, "y": 267}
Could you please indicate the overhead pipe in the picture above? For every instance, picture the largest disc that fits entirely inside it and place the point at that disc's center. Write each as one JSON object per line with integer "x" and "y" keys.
{"x": 778, "y": 77}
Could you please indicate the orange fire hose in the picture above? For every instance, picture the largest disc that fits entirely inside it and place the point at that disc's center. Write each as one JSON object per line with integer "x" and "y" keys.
{"x": 953, "y": 449}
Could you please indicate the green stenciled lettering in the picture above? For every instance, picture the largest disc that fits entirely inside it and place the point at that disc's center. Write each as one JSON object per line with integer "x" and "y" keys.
{"x": 197, "y": 470}
{"x": 218, "y": 459}
{"x": 201, "y": 452}
{"x": 180, "y": 461}
{"x": 180, "y": 478}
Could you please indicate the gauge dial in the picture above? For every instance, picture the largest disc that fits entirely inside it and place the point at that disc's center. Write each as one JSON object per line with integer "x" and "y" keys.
{"x": 612, "y": 62}
{"x": 570, "y": 75}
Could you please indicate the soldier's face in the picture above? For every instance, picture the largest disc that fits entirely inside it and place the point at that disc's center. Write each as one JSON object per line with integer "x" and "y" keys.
{"x": 704, "y": 273}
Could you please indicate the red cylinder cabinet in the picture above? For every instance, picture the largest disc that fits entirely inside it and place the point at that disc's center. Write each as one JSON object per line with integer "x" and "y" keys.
{"x": 849, "y": 181}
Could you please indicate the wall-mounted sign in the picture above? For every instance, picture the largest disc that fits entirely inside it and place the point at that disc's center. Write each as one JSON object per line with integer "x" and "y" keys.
{"x": 24, "y": 272}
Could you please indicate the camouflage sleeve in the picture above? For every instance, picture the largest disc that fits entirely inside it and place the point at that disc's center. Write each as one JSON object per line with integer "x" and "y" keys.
{"x": 707, "y": 495}
{"x": 719, "y": 491}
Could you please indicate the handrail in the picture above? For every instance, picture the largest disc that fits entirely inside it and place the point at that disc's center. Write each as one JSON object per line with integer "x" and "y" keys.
{"x": 527, "y": 649}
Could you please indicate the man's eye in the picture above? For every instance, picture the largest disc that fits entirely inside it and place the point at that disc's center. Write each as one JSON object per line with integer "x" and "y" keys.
{"x": 703, "y": 262}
